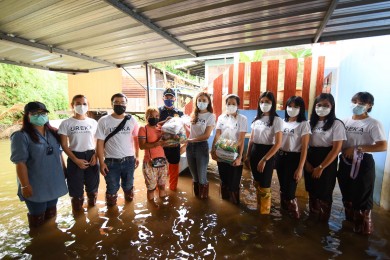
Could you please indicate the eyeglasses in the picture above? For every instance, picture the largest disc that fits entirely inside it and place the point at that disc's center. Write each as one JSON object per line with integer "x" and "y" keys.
{"x": 119, "y": 103}
{"x": 43, "y": 113}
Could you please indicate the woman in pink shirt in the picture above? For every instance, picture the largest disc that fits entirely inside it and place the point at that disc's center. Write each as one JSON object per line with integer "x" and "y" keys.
{"x": 155, "y": 166}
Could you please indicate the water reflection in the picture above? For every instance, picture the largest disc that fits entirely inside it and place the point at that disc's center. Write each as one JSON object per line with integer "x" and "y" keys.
{"x": 181, "y": 226}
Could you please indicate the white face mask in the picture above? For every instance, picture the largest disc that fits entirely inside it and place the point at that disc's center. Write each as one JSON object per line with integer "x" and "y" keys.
{"x": 81, "y": 109}
{"x": 292, "y": 111}
{"x": 322, "y": 111}
{"x": 202, "y": 105}
{"x": 265, "y": 107}
{"x": 231, "y": 109}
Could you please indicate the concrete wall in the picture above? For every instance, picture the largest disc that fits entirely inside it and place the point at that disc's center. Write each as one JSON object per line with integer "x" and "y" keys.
{"x": 364, "y": 66}
{"x": 98, "y": 86}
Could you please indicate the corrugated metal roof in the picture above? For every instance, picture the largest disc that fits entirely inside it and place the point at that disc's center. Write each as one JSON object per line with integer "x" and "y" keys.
{"x": 84, "y": 35}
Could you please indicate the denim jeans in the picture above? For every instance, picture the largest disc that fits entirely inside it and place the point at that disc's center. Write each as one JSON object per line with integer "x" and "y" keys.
{"x": 198, "y": 159}
{"x": 38, "y": 208}
{"x": 120, "y": 173}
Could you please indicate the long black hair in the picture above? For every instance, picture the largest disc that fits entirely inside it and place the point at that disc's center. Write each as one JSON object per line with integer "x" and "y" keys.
{"x": 272, "y": 112}
{"x": 298, "y": 101}
{"x": 330, "y": 118}
{"x": 30, "y": 130}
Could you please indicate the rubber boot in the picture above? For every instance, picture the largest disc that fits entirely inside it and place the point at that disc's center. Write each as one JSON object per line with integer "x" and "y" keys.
{"x": 92, "y": 196}
{"x": 234, "y": 197}
{"x": 77, "y": 204}
{"x": 257, "y": 187}
{"x": 325, "y": 209}
{"x": 50, "y": 212}
{"x": 196, "y": 188}
{"x": 314, "y": 206}
{"x": 129, "y": 194}
{"x": 265, "y": 200}
{"x": 111, "y": 199}
{"x": 161, "y": 191}
{"x": 35, "y": 221}
{"x": 358, "y": 219}
{"x": 224, "y": 192}
{"x": 173, "y": 172}
{"x": 349, "y": 214}
{"x": 203, "y": 191}
{"x": 293, "y": 209}
{"x": 368, "y": 226}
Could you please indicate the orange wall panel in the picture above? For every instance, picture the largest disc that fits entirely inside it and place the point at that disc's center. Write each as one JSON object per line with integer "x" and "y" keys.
{"x": 241, "y": 77}
{"x": 230, "y": 84}
{"x": 217, "y": 95}
{"x": 290, "y": 80}
{"x": 306, "y": 81}
{"x": 255, "y": 84}
{"x": 320, "y": 75}
{"x": 272, "y": 76}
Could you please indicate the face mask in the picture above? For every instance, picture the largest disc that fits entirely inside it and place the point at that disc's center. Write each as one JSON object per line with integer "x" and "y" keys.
{"x": 119, "y": 110}
{"x": 81, "y": 109}
{"x": 231, "y": 109}
{"x": 265, "y": 107}
{"x": 202, "y": 105}
{"x": 322, "y": 111}
{"x": 292, "y": 111}
{"x": 153, "y": 121}
{"x": 358, "y": 109}
{"x": 38, "y": 120}
{"x": 169, "y": 102}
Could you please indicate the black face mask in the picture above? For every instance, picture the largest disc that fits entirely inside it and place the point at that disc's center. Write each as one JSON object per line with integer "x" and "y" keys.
{"x": 153, "y": 121}
{"x": 119, "y": 110}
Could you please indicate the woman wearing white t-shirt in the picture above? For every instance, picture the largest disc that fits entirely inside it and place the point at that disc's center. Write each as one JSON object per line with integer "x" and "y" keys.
{"x": 82, "y": 167}
{"x": 328, "y": 134}
{"x": 291, "y": 157}
{"x": 356, "y": 173}
{"x": 202, "y": 124}
{"x": 265, "y": 141}
{"x": 231, "y": 125}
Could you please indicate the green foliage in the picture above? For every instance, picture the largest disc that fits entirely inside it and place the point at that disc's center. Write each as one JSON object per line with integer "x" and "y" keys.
{"x": 251, "y": 56}
{"x": 20, "y": 85}
{"x": 300, "y": 53}
{"x": 170, "y": 67}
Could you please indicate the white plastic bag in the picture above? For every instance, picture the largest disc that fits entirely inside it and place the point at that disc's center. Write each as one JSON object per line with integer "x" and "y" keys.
{"x": 226, "y": 146}
{"x": 173, "y": 132}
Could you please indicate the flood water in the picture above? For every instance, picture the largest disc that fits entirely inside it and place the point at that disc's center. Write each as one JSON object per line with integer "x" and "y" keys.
{"x": 183, "y": 227}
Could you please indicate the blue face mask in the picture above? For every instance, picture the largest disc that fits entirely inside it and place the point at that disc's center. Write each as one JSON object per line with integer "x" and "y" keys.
{"x": 358, "y": 109}
{"x": 169, "y": 102}
{"x": 38, "y": 120}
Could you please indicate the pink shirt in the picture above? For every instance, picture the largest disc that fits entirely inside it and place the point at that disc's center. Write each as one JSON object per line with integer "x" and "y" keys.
{"x": 154, "y": 134}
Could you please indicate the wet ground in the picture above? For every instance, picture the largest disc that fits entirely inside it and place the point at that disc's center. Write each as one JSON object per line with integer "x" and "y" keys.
{"x": 183, "y": 227}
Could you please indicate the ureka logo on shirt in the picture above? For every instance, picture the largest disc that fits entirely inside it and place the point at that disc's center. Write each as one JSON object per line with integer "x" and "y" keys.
{"x": 288, "y": 131}
{"x": 124, "y": 130}
{"x": 318, "y": 130}
{"x": 261, "y": 123}
{"x": 354, "y": 130}
{"x": 80, "y": 129}
{"x": 201, "y": 121}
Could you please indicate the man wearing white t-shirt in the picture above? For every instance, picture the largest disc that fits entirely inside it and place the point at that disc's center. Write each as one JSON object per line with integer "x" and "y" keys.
{"x": 118, "y": 155}
{"x": 82, "y": 162}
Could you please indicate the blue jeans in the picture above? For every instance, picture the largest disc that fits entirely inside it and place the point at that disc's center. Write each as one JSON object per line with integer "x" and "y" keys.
{"x": 119, "y": 171}
{"x": 198, "y": 159}
{"x": 38, "y": 208}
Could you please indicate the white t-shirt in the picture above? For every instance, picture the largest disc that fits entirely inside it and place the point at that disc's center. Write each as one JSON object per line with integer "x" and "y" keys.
{"x": 237, "y": 124}
{"x": 292, "y": 135}
{"x": 204, "y": 120}
{"x": 363, "y": 132}
{"x": 81, "y": 133}
{"x": 262, "y": 133}
{"x": 321, "y": 138}
{"x": 122, "y": 143}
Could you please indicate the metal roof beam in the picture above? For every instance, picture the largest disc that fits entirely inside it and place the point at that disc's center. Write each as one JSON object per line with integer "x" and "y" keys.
{"x": 328, "y": 14}
{"x": 23, "y": 64}
{"x": 127, "y": 10}
{"x": 51, "y": 49}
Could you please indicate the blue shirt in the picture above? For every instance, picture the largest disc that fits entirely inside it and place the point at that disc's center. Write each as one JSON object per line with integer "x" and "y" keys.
{"x": 45, "y": 172}
{"x": 165, "y": 112}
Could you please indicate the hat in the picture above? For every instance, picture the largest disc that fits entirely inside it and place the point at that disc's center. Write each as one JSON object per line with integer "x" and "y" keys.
{"x": 34, "y": 106}
{"x": 169, "y": 91}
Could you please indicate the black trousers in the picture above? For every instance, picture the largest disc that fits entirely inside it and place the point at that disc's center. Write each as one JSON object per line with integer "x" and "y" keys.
{"x": 321, "y": 188}
{"x": 230, "y": 175}
{"x": 264, "y": 178}
{"x": 77, "y": 178}
{"x": 359, "y": 191}
{"x": 286, "y": 165}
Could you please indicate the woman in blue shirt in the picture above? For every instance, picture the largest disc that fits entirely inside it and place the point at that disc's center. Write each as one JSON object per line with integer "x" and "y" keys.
{"x": 35, "y": 150}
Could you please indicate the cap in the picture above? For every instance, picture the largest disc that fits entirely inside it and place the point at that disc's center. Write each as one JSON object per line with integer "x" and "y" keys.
{"x": 34, "y": 106}
{"x": 169, "y": 91}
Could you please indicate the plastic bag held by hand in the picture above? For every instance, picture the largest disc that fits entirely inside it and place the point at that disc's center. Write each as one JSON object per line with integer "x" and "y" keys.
{"x": 173, "y": 132}
{"x": 226, "y": 146}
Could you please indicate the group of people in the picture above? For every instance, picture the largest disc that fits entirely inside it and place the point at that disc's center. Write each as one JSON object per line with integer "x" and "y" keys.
{"x": 321, "y": 150}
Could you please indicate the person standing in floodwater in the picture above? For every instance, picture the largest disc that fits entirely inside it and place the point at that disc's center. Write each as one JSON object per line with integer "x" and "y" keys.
{"x": 202, "y": 124}
{"x": 265, "y": 141}
{"x": 236, "y": 125}
{"x": 356, "y": 174}
{"x": 82, "y": 166}
{"x": 328, "y": 134}
{"x": 36, "y": 151}
{"x": 291, "y": 157}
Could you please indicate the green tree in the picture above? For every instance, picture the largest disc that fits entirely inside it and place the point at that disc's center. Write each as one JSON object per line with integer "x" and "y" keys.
{"x": 251, "y": 56}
